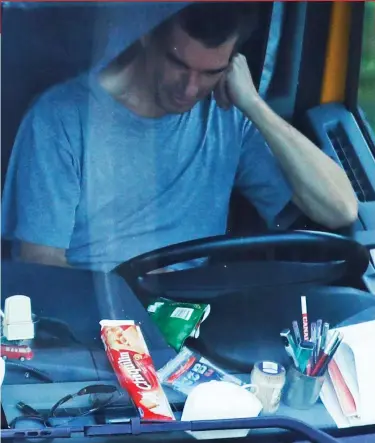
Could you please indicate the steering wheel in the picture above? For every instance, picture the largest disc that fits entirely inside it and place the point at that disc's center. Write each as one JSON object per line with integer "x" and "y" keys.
{"x": 231, "y": 265}
{"x": 253, "y": 298}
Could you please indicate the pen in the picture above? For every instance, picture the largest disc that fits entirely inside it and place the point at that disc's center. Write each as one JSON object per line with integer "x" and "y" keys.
{"x": 289, "y": 345}
{"x": 324, "y": 335}
{"x": 313, "y": 339}
{"x": 296, "y": 332}
{"x": 313, "y": 332}
{"x": 331, "y": 354}
{"x": 325, "y": 355}
{"x": 319, "y": 326}
{"x": 305, "y": 321}
{"x": 310, "y": 365}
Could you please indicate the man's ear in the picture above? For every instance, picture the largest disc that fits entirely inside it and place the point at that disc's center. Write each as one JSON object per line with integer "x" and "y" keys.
{"x": 234, "y": 53}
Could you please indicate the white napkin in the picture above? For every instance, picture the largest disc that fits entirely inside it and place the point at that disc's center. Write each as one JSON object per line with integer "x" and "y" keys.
{"x": 217, "y": 400}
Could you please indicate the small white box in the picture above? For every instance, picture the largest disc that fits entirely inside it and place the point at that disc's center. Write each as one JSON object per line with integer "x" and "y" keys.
{"x": 18, "y": 323}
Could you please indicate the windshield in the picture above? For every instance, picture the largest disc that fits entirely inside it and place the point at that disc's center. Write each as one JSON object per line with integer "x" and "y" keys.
{"x": 367, "y": 67}
{"x": 172, "y": 245}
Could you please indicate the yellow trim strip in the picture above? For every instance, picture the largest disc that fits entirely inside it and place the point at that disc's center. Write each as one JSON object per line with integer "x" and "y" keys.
{"x": 333, "y": 88}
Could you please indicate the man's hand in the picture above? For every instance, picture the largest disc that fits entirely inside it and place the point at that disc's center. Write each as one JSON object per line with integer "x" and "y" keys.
{"x": 321, "y": 188}
{"x": 236, "y": 88}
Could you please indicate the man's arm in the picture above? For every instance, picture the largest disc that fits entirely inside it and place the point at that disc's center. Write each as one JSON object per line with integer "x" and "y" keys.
{"x": 42, "y": 187}
{"x": 321, "y": 188}
{"x": 44, "y": 255}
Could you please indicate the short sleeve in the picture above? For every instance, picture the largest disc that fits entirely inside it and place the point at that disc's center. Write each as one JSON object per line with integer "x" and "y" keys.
{"x": 261, "y": 180}
{"x": 42, "y": 189}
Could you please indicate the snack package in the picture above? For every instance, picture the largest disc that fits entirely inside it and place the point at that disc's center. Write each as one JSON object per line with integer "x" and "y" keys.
{"x": 127, "y": 351}
{"x": 177, "y": 321}
{"x": 189, "y": 369}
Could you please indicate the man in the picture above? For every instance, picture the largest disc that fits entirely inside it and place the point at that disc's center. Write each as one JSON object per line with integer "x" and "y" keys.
{"x": 146, "y": 152}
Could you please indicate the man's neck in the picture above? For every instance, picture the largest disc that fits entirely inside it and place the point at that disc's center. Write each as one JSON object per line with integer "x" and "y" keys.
{"x": 129, "y": 84}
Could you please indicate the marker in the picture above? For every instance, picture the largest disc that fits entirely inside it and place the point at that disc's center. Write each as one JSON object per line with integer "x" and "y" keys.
{"x": 304, "y": 355}
{"x": 325, "y": 354}
{"x": 305, "y": 320}
{"x": 289, "y": 345}
{"x": 296, "y": 332}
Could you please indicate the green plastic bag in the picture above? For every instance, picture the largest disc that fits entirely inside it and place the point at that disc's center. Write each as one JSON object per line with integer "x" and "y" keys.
{"x": 178, "y": 321}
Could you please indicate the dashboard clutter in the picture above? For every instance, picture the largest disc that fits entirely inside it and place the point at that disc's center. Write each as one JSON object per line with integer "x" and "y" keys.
{"x": 177, "y": 321}
{"x": 311, "y": 353}
{"x": 349, "y": 391}
{"x": 269, "y": 377}
{"x": 17, "y": 329}
{"x": 220, "y": 400}
{"x": 190, "y": 369}
{"x": 302, "y": 391}
{"x": 13, "y": 351}
{"x": 17, "y": 322}
{"x": 130, "y": 359}
{"x": 322, "y": 364}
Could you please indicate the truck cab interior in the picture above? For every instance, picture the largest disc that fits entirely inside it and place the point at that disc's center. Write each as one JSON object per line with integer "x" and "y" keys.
{"x": 311, "y": 61}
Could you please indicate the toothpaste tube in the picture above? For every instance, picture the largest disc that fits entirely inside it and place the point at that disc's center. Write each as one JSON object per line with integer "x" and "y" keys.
{"x": 129, "y": 356}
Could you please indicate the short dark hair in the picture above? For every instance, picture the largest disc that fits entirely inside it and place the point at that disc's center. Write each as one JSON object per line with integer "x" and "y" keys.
{"x": 215, "y": 23}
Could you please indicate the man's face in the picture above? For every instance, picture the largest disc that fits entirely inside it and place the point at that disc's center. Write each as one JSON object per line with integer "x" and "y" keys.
{"x": 184, "y": 71}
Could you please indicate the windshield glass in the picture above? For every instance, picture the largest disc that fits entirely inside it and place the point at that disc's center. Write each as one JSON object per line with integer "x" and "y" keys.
{"x": 367, "y": 74}
{"x": 135, "y": 128}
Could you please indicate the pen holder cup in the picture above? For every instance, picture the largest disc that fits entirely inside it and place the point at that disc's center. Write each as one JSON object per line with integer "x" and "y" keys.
{"x": 301, "y": 391}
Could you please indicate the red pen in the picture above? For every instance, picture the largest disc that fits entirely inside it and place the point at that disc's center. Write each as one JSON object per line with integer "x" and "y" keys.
{"x": 327, "y": 354}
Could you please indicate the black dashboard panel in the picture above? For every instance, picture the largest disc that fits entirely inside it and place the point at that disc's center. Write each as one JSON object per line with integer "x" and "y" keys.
{"x": 337, "y": 133}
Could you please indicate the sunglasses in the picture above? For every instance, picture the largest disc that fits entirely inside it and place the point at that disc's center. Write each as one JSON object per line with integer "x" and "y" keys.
{"x": 101, "y": 397}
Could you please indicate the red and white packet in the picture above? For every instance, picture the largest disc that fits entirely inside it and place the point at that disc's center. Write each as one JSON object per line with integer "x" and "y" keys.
{"x": 130, "y": 358}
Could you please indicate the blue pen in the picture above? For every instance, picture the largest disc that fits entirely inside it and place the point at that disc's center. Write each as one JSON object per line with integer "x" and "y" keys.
{"x": 313, "y": 339}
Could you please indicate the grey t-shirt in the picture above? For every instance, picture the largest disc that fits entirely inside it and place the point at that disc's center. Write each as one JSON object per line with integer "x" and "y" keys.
{"x": 89, "y": 176}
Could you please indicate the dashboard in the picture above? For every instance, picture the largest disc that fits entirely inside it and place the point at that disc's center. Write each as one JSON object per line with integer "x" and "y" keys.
{"x": 334, "y": 129}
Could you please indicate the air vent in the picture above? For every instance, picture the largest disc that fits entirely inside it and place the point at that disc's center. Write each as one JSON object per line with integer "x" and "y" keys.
{"x": 351, "y": 164}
